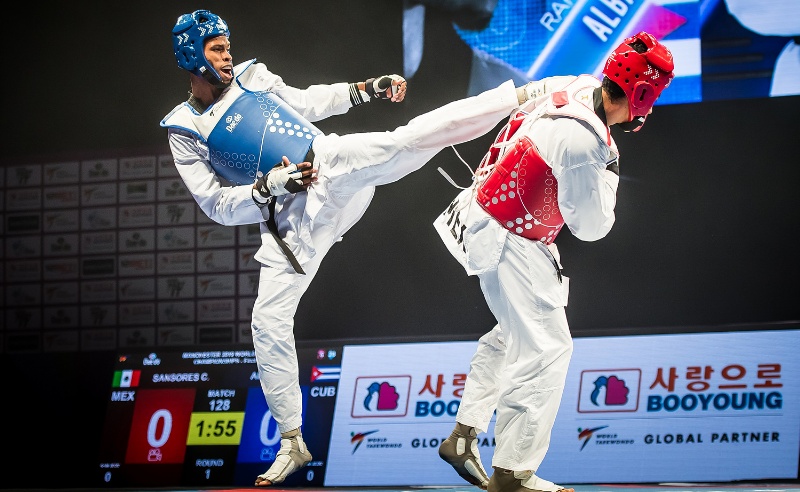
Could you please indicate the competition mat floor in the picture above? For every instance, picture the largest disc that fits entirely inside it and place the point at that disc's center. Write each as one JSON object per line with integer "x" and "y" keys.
{"x": 766, "y": 486}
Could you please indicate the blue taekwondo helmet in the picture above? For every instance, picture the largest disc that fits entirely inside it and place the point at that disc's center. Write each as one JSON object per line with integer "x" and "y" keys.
{"x": 188, "y": 35}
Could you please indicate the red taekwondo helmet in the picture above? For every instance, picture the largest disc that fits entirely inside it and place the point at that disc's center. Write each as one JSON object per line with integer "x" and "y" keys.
{"x": 188, "y": 35}
{"x": 642, "y": 73}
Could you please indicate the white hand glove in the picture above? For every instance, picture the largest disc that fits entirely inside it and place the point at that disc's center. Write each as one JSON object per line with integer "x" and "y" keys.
{"x": 378, "y": 88}
{"x": 282, "y": 180}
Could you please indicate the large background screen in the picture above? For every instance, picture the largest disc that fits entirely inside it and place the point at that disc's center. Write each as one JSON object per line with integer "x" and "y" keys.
{"x": 723, "y": 48}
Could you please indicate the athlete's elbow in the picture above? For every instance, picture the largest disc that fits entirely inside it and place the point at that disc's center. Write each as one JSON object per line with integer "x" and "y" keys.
{"x": 588, "y": 234}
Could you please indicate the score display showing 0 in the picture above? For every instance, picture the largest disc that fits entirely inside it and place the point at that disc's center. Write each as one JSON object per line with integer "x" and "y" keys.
{"x": 160, "y": 426}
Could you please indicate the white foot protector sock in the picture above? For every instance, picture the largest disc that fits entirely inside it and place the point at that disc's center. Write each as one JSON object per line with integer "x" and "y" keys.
{"x": 531, "y": 481}
{"x": 292, "y": 456}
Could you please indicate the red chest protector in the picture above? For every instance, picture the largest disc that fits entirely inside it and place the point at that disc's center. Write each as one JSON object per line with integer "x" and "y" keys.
{"x": 520, "y": 191}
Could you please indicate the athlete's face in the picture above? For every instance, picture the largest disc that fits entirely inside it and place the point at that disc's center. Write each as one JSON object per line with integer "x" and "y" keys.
{"x": 218, "y": 53}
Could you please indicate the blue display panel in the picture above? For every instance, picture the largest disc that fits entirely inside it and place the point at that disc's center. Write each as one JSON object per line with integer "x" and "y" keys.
{"x": 723, "y": 49}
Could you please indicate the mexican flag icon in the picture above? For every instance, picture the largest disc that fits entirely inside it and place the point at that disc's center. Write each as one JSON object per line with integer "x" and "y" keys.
{"x": 126, "y": 379}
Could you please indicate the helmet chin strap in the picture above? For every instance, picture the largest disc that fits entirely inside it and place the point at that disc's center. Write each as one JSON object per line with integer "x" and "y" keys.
{"x": 600, "y": 111}
{"x": 212, "y": 79}
{"x": 633, "y": 125}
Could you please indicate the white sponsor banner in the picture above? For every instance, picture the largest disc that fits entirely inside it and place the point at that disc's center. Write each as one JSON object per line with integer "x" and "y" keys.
{"x": 99, "y": 170}
{"x": 176, "y": 213}
{"x": 138, "y": 167}
{"x": 395, "y": 404}
{"x": 61, "y": 197}
{"x": 98, "y": 242}
{"x": 98, "y": 194}
{"x": 61, "y": 173}
{"x": 694, "y": 407}
{"x": 663, "y": 408}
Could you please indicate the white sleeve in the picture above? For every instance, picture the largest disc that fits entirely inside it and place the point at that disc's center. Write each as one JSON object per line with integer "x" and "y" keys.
{"x": 587, "y": 191}
{"x": 222, "y": 202}
{"x": 315, "y": 103}
{"x": 538, "y": 88}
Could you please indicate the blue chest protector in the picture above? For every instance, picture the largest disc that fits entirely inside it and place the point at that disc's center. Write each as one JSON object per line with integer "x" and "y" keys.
{"x": 253, "y": 135}
{"x": 247, "y": 132}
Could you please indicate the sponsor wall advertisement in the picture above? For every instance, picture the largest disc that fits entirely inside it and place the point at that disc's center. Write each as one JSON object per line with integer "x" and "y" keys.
{"x": 395, "y": 404}
{"x": 689, "y": 407}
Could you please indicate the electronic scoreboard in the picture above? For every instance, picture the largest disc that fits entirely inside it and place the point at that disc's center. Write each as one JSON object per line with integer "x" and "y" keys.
{"x": 195, "y": 418}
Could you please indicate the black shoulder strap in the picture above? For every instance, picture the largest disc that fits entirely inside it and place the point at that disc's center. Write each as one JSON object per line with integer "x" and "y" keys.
{"x": 273, "y": 228}
{"x": 599, "y": 110}
{"x": 196, "y": 103}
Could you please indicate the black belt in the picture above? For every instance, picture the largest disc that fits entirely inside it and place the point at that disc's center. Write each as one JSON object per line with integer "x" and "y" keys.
{"x": 273, "y": 226}
{"x": 310, "y": 156}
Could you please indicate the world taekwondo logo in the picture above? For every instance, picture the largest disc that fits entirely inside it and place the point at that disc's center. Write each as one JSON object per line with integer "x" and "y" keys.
{"x": 356, "y": 438}
{"x": 372, "y": 441}
{"x": 604, "y": 438}
{"x": 586, "y": 434}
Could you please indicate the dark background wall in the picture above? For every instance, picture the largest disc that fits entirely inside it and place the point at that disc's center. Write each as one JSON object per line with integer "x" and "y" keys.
{"x": 707, "y": 213}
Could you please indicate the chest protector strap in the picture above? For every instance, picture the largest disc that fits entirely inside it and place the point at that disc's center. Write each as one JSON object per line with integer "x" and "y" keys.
{"x": 520, "y": 191}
